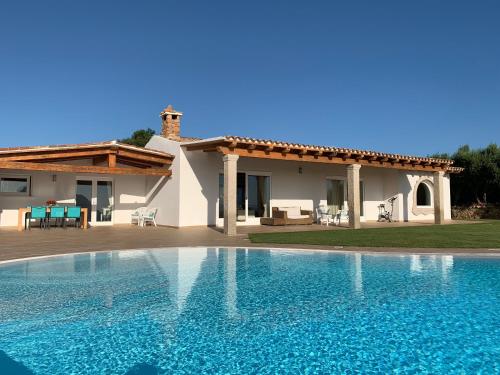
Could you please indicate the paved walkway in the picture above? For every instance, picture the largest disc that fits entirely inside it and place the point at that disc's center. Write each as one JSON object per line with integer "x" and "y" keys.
{"x": 14, "y": 244}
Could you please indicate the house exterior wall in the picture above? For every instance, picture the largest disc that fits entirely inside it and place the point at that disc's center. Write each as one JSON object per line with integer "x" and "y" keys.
{"x": 191, "y": 196}
{"x": 129, "y": 193}
{"x": 163, "y": 193}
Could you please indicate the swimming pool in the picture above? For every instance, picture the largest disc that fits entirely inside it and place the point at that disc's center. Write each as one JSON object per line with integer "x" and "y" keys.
{"x": 213, "y": 310}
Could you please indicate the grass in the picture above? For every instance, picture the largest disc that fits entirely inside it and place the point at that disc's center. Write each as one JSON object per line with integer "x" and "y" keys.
{"x": 484, "y": 234}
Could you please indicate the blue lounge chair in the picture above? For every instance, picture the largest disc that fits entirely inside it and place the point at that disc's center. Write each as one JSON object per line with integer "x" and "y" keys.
{"x": 57, "y": 213}
{"x": 74, "y": 213}
{"x": 38, "y": 213}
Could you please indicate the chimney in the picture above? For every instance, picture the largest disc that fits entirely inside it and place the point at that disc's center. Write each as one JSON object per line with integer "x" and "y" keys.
{"x": 171, "y": 123}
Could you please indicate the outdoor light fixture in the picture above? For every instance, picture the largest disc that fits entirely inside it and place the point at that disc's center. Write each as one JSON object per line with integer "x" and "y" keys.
{"x": 54, "y": 178}
{"x": 300, "y": 170}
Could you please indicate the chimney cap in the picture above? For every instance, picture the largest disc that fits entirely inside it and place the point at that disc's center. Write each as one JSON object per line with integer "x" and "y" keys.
{"x": 170, "y": 111}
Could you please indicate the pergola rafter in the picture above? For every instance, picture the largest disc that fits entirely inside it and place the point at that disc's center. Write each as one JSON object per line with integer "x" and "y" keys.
{"x": 136, "y": 160}
{"x": 266, "y": 149}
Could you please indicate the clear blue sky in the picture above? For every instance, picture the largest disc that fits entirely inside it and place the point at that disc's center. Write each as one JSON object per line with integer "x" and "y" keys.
{"x": 399, "y": 76}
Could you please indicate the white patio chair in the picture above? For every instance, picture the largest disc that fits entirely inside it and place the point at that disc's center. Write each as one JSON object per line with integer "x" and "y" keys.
{"x": 322, "y": 215}
{"x": 136, "y": 216}
{"x": 342, "y": 215}
{"x": 149, "y": 217}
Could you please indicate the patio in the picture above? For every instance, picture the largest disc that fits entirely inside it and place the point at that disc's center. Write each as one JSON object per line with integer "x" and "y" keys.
{"x": 32, "y": 243}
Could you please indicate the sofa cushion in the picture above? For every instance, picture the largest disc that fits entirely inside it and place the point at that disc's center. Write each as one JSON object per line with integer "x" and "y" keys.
{"x": 291, "y": 211}
{"x": 298, "y": 216}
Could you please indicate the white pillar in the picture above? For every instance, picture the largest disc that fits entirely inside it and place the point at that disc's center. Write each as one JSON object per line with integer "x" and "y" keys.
{"x": 230, "y": 173}
{"x": 353, "y": 196}
{"x": 439, "y": 197}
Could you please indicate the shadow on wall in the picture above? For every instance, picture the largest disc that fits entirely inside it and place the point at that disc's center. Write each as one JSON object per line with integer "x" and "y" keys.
{"x": 155, "y": 189}
{"x": 10, "y": 367}
{"x": 206, "y": 168}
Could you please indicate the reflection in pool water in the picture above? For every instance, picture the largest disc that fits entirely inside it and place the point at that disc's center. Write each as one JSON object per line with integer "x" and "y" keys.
{"x": 195, "y": 310}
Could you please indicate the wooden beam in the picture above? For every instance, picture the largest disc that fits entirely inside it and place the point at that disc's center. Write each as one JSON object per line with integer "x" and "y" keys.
{"x": 201, "y": 147}
{"x": 331, "y": 154}
{"x": 56, "y": 155}
{"x": 111, "y": 160}
{"x": 99, "y": 159}
{"x": 28, "y": 166}
{"x": 358, "y": 157}
{"x": 317, "y": 159}
{"x": 53, "y": 155}
{"x": 135, "y": 163}
{"x": 346, "y": 155}
{"x": 143, "y": 157}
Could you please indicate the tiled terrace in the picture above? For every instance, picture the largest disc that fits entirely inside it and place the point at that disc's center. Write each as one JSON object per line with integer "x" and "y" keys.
{"x": 14, "y": 244}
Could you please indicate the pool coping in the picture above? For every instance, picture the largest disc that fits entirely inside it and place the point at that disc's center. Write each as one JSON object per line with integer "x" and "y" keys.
{"x": 340, "y": 250}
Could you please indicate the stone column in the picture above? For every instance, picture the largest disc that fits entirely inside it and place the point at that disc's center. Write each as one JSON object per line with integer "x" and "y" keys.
{"x": 230, "y": 173}
{"x": 439, "y": 197}
{"x": 353, "y": 197}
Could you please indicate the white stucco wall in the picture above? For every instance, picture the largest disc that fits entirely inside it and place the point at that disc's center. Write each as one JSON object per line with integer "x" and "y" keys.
{"x": 191, "y": 196}
{"x": 163, "y": 193}
{"x": 129, "y": 193}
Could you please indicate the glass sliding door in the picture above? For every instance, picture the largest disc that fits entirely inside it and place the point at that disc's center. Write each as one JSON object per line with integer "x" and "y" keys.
{"x": 259, "y": 196}
{"x": 84, "y": 196}
{"x": 221, "y": 196}
{"x": 96, "y": 195}
{"x": 241, "y": 195}
{"x": 335, "y": 195}
{"x": 253, "y": 197}
{"x": 104, "y": 195}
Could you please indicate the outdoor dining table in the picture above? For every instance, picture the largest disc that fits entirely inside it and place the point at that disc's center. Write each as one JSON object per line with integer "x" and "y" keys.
{"x": 24, "y": 210}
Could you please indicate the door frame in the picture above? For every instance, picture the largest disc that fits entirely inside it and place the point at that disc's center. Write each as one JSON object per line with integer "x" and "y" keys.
{"x": 343, "y": 178}
{"x": 253, "y": 220}
{"x": 93, "y": 216}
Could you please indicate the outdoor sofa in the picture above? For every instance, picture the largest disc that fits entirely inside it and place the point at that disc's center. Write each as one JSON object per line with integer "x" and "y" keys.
{"x": 288, "y": 216}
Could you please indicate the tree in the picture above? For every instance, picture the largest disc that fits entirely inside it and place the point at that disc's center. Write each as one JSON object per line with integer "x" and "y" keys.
{"x": 480, "y": 180}
{"x": 140, "y": 137}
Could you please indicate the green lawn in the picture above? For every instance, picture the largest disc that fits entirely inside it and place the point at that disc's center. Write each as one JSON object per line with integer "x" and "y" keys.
{"x": 484, "y": 234}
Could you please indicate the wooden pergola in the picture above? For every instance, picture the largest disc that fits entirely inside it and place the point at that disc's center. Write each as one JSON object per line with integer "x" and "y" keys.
{"x": 269, "y": 149}
{"x": 233, "y": 147}
{"x": 106, "y": 158}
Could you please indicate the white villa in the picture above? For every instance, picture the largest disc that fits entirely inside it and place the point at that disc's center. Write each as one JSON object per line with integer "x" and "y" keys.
{"x": 223, "y": 181}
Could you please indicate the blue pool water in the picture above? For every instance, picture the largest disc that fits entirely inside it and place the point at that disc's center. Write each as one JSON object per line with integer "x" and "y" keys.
{"x": 208, "y": 310}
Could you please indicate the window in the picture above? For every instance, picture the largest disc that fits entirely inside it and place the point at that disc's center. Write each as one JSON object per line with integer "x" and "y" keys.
{"x": 423, "y": 195}
{"x": 17, "y": 185}
{"x": 221, "y": 195}
{"x": 361, "y": 198}
{"x": 335, "y": 195}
